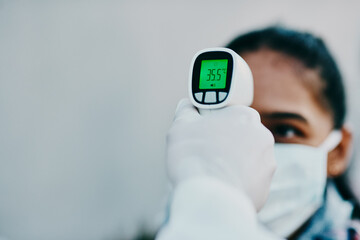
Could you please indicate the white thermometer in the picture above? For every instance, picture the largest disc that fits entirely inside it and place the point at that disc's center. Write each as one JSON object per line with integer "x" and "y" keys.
{"x": 219, "y": 77}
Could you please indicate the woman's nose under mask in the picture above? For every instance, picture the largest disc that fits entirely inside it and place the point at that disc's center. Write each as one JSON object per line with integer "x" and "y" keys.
{"x": 298, "y": 185}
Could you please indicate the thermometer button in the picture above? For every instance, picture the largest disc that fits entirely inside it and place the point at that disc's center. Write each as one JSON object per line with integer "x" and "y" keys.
{"x": 199, "y": 96}
{"x": 210, "y": 97}
{"x": 222, "y": 96}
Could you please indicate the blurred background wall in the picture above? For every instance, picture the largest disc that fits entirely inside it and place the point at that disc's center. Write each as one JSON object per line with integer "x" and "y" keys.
{"x": 88, "y": 90}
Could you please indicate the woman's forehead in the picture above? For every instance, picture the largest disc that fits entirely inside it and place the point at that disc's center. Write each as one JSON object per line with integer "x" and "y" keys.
{"x": 283, "y": 79}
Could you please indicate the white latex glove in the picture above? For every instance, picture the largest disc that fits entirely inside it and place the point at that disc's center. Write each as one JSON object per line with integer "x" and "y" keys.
{"x": 221, "y": 166}
{"x": 229, "y": 144}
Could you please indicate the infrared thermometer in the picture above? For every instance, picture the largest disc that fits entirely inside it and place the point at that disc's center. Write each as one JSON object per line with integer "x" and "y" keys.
{"x": 219, "y": 77}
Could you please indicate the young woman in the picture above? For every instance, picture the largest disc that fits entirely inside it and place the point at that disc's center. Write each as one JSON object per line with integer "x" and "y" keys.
{"x": 300, "y": 97}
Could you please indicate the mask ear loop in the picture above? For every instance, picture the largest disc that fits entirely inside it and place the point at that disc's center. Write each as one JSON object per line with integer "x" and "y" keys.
{"x": 332, "y": 140}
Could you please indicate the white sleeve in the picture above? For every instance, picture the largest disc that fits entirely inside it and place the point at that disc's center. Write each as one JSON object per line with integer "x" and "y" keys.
{"x": 207, "y": 208}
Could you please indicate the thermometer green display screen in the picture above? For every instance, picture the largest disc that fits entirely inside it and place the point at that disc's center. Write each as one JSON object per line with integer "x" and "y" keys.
{"x": 213, "y": 74}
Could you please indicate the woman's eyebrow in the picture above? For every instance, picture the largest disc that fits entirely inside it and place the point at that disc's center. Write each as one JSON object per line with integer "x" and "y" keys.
{"x": 284, "y": 115}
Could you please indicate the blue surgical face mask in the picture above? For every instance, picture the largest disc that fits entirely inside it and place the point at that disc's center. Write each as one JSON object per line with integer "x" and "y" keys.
{"x": 298, "y": 185}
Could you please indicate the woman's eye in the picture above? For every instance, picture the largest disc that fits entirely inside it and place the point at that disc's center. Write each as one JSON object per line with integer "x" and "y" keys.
{"x": 286, "y": 131}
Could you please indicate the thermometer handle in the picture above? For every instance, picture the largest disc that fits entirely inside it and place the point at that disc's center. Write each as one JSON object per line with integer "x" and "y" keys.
{"x": 205, "y": 111}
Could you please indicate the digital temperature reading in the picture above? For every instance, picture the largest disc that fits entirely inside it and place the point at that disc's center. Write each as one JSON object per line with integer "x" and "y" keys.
{"x": 213, "y": 74}
{"x": 219, "y": 77}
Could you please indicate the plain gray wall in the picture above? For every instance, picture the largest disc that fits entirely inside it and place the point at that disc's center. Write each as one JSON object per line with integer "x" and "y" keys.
{"x": 87, "y": 93}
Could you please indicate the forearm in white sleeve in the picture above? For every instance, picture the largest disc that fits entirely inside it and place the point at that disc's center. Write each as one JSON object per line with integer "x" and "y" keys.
{"x": 208, "y": 208}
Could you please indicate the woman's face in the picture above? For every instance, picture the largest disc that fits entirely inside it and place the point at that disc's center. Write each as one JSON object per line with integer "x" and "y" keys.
{"x": 285, "y": 96}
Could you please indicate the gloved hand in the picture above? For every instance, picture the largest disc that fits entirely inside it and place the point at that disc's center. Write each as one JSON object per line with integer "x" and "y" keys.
{"x": 229, "y": 144}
